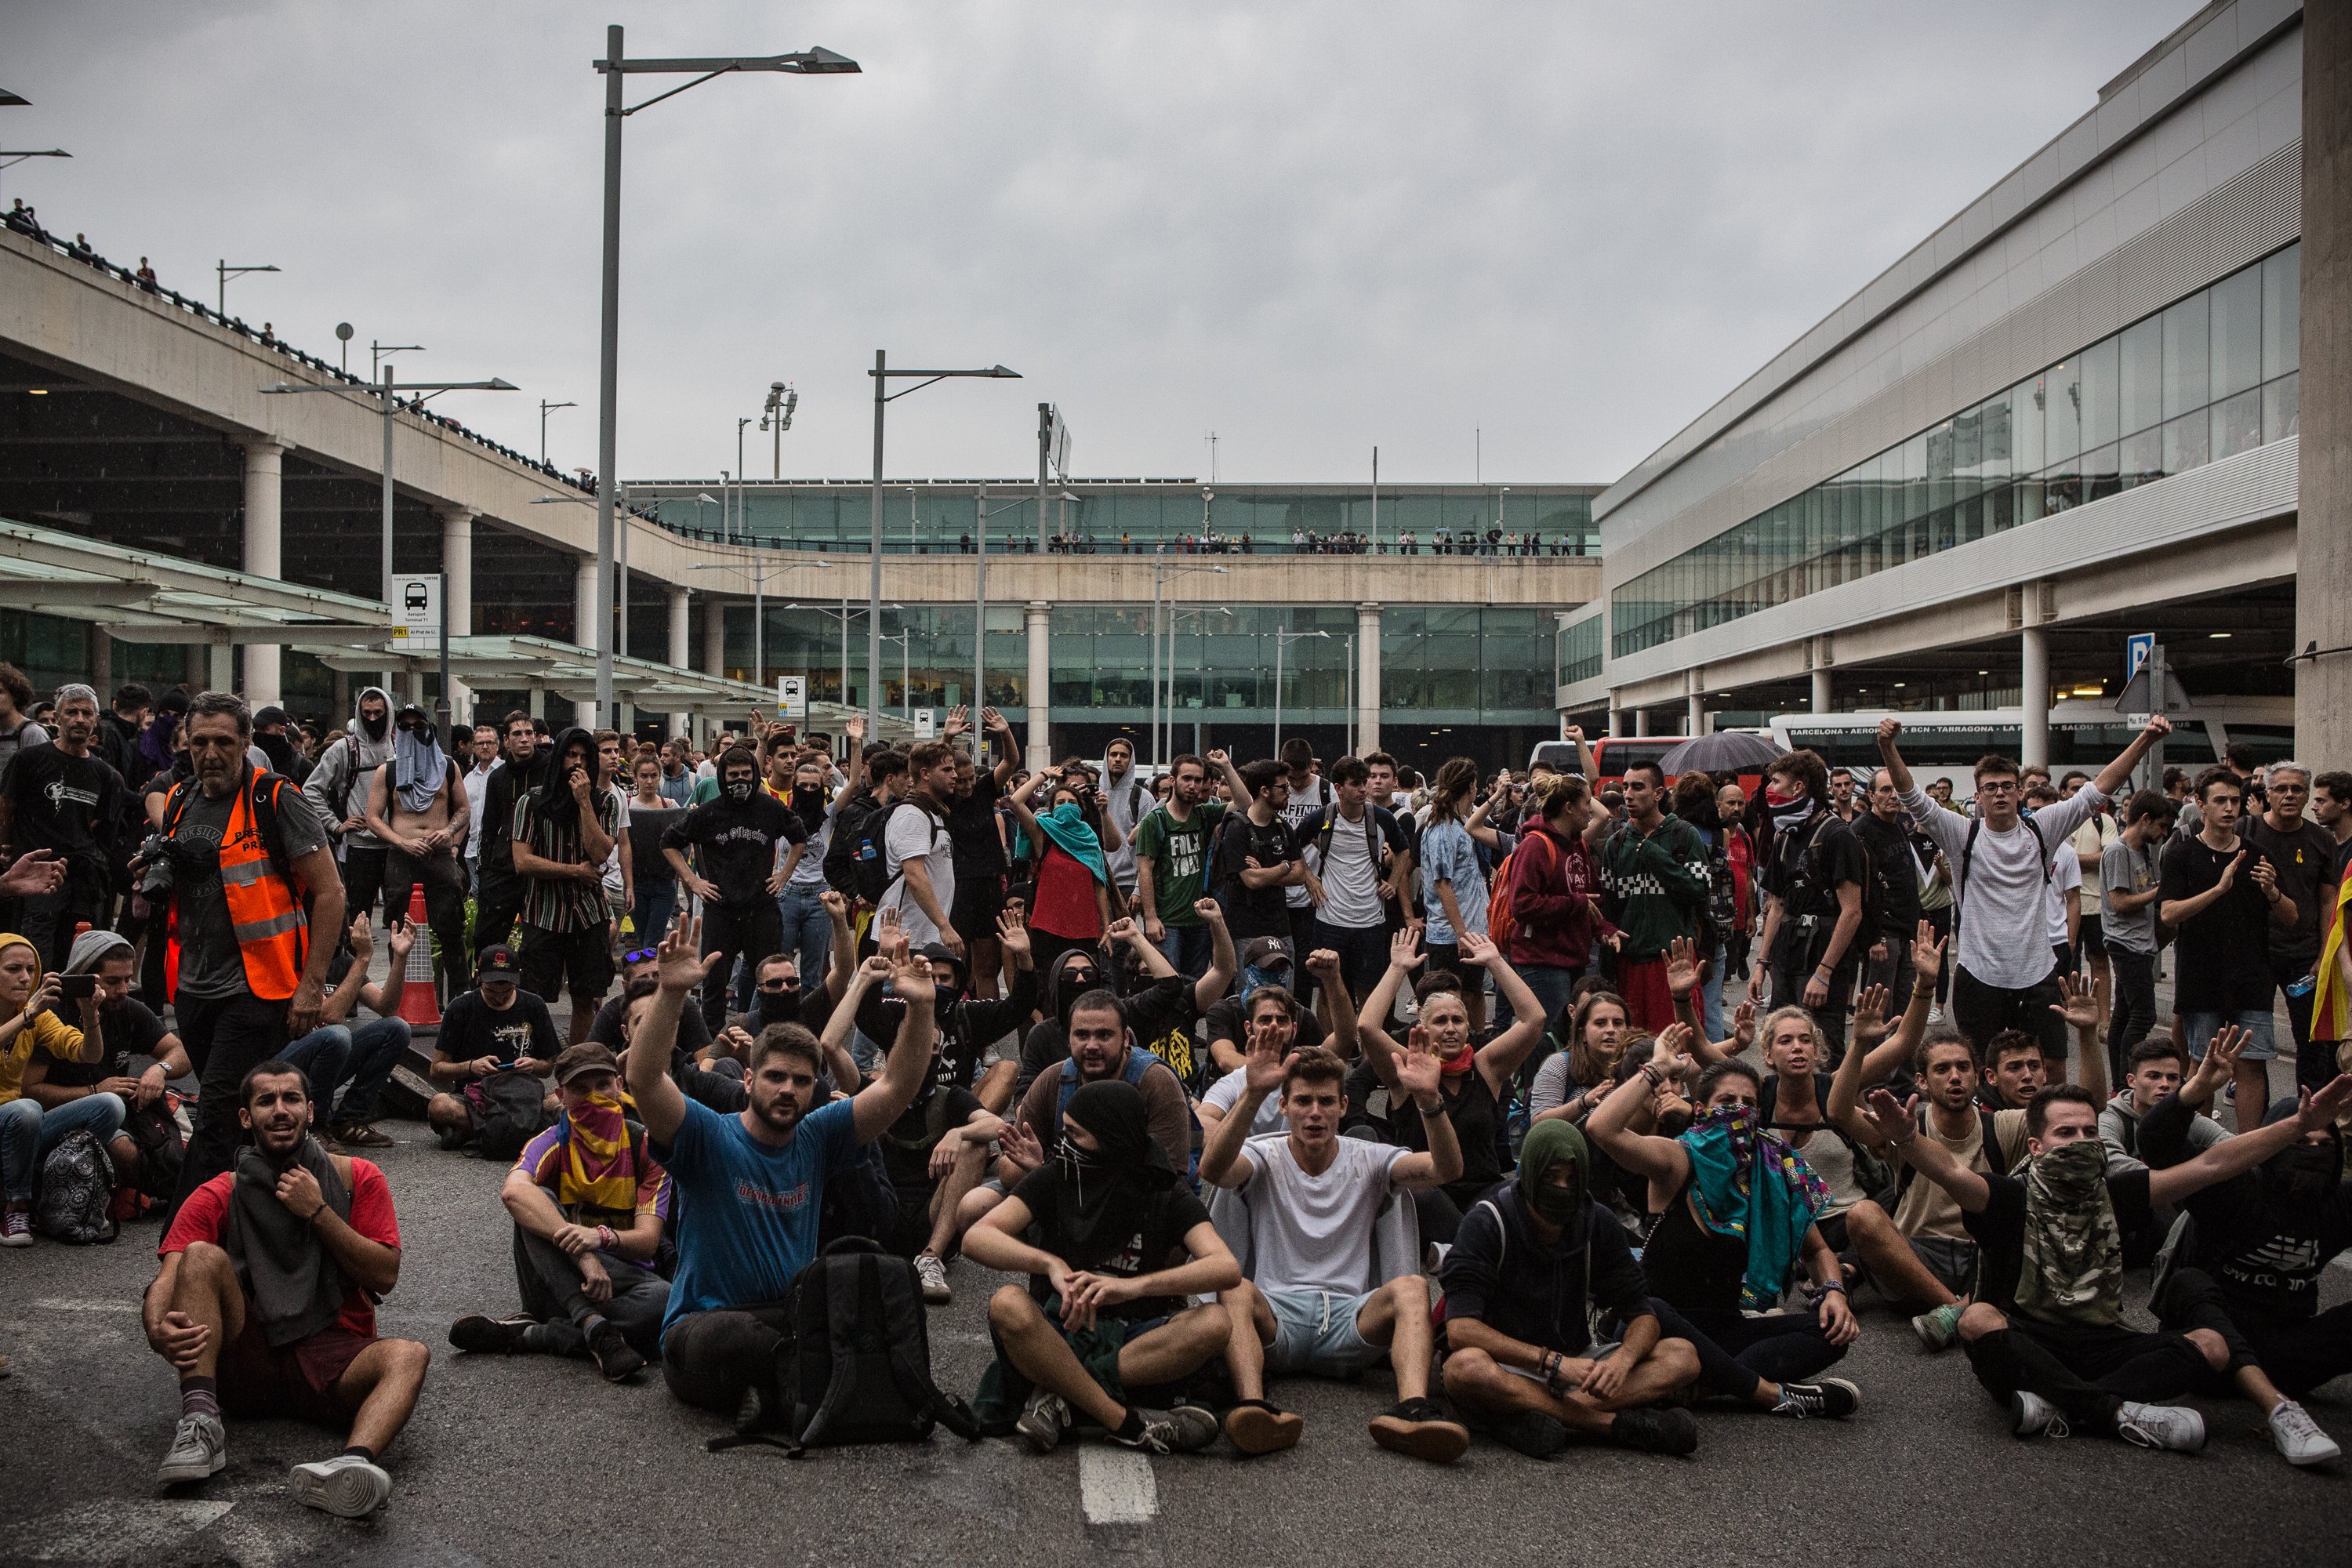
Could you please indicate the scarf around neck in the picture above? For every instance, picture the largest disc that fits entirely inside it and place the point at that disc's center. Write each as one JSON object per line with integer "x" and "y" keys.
{"x": 1069, "y": 828}
{"x": 2073, "y": 1264}
{"x": 295, "y": 1288}
{"x": 1751, "y": 1183}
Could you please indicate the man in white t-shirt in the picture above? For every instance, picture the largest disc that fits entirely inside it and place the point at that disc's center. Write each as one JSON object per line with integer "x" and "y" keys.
{"x": 2005, "y": 975}
{"x": 1310, "y": 1301}
{"x": 1355, "y": 855}
{"x": 918, "y": 857}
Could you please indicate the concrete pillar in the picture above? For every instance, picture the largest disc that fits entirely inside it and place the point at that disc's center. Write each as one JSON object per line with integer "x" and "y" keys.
{"x": 264, "y": 557}
{"x": 1041, "y": 673}
{"x": 1694, "y": 715}
{"x": 1825, "y": 690}
{"x": 1368, "y": 679}
{"x": 458, "y": 591}
{"x": 584, "y": 622}
{"x": 342, "y": 695}
{"x": 221, "y": 672}
{"x": 680, "y": 626}
{"x": 714, "y": 637}
{"x": 2034, "y": 694}
{"x": 537, "y": 700}
{"x": 194, "y": 668}
{"x": 1640, "y": 721}
{"x": 1616, "y": 718}
{"x": 101, "y": 665}
{"x": 2323, "y": 613}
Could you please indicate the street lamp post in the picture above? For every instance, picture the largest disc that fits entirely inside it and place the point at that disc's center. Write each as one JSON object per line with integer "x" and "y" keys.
{"x": 10, "y": 157}
{"x": 1280, "y": 638}
{"x": 226, "y": 272}
{"x": 615, "y": 67}
{"x": 545, "y": 405}
{"x": 1159, "y": 568}
{"x": 883, "y": 398}
{"x": 776, "y": 414}
{"x": 759, "y": 576}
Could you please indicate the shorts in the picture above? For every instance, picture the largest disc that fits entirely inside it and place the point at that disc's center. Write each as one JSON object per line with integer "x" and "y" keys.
{"x": 257, "y": 1379}
{"x": 1315, "y": 1332}
{"x": 979, "y": 899}
{"x": 1832, "y": 1229}
{"x": 2092, "y": 938}
{"x": 1951, "y": 1259}
{"x": 583, "y": 960}
{"x": 2199, "y": 1029}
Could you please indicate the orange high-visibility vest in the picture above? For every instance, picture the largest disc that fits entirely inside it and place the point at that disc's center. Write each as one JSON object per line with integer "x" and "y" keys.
{"x": 264, "y": 913}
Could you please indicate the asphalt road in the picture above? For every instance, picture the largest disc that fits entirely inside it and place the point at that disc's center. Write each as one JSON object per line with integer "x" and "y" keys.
{"x": 522, "y": 1460}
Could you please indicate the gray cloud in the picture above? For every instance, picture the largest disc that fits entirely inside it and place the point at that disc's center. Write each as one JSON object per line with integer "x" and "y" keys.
{"x": 1309, "y": 228}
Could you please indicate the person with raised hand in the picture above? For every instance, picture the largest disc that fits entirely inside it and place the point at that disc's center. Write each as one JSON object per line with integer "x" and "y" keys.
{"x": 750, "y": 1186}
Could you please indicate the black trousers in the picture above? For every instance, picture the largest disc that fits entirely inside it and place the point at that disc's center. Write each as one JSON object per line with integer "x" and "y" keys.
{"x": 443, "y": 875}
{"x": 711, "y": 1360}
{"x": 1982, "y": 1011}
{"x": 363, "y": 874}
{"x": 498, "y": 903}
{"x": 2298, "y": 1354}
{"x": 752, "y": 933}
{"x": 2086, "y": 1372}
{"x": 226, "y": 1036}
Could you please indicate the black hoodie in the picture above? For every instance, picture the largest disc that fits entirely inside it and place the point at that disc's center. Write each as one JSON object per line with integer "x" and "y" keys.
{"x": 1151, "y": 1014}
{"x": 968, "y": 1025}
{"x": 738, "y": 840}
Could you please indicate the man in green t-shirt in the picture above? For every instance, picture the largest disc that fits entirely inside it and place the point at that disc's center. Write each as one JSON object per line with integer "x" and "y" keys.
{"x": 1172, "y": 859}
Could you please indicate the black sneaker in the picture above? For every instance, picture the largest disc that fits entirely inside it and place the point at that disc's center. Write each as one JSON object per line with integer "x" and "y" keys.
{"x": 1833, "y": 1398}
{"x": 1656, "y": 1431}
{"x": 1534, "y": 1434}
{"x": 479, "y": 1335}
{"x": 613, "y": 1355}
{"x": 1419, "y": 1427}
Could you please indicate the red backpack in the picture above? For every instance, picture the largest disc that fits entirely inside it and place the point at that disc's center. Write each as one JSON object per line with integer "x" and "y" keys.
{"x": 1501, "y": 925}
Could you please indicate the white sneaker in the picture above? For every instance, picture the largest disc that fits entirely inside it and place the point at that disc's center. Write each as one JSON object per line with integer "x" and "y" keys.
{"x": 200, "y": 1447}
{"x": 2173, "y": 1426}
{"x": 2300, "y": 1441}
{"x": 345, "y": 1484}
{"x": 1935, "y": 1013}
{"x": 931, "y": 1272}
{"x": 2031, "y": 1415}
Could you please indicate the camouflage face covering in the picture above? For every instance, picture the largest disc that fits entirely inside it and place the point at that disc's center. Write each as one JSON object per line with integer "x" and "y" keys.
{"x": 2073, "y": 1267}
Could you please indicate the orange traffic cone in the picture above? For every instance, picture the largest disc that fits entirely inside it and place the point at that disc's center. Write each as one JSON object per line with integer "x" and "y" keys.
{"x": 418, "y": 1003}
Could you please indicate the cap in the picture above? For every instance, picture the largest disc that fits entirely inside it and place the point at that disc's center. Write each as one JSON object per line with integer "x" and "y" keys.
{"x": 273, "y": 714}
{"x": 585, "y": 1057}
{"x": 412, "y": 711}
{"x": 498, "y": 961}
{"x": 1266, "y": 951}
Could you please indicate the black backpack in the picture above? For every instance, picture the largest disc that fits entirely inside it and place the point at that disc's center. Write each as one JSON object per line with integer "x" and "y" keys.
{"x": 855, "y": 1366}
{"x": 513, "y": 1112}
{"x": 77, "y": 1195}
{"x": 849, "y": 820}
{"x": 161, "y": 1148}
{"x": 859, "y": 1199}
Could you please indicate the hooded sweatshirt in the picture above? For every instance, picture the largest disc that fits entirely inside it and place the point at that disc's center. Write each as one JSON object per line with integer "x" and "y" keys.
{"x": 47, "y": 1032}
{"x": 2119, "y": 1131}
{"x": 337, "y": 787}
{"x": 1503, "y": 1273}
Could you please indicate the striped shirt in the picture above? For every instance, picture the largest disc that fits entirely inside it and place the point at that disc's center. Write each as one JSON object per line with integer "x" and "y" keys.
{"x": 562, "y": 903}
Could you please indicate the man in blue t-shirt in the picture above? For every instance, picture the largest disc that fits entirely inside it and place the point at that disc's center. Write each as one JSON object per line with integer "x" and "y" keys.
{"x": 750, "y": 1186}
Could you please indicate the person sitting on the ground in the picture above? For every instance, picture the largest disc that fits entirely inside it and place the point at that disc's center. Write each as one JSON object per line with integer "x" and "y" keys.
{"x": 1160, "y": 1010}
{"x": 2253, "y": 1248}
{"x": 1275, "y": 1021}
{"x": 589, "y": 1204}
{"x": 1734, "y": 1206}
{"x": 357, "y": 1061}
{"x": 1106, "y": 1312}
{"x": 1476, "y": 1078}
{"x": 2012, "y": 1075}
{"x": 265, "y": 1303}
{"x": 1227, "y": 1023}
{"x": 28, "y": 1129}
{"x": 2157, "y": 1065}
{"x": 494, "y": 1027}
{"x": 129, "y": 1031}
{"x": 1315, "y": 1299}
{"x": 750, "y": 1186}
{"x": 968, "y": 1026}
{"x": 1530, "y": 1262}
{"x": 2045, "y": 1334}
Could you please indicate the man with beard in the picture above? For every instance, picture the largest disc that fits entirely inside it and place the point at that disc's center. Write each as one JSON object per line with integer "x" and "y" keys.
{"x": 918, "y": 854}
{"x": 1106, "y": 1310}
{"x": 265, "y": 1304}
{"x": 563, "y": 829}
{"x": 416, "y": 808}
{"x": 750, "y": 1186}
{"x": 337, "y": 790}
{"x": 2252, "y": 1247}
{"x": 62, "y": 795}
{"x": 2045, "y": 1334}
{"x": 498, "y": 895}
{"x": 737, "y": 838}
{"x": 1161, "y": 1009}
{"x": 589, "y": 1204}
{"x": 250, "y": 879}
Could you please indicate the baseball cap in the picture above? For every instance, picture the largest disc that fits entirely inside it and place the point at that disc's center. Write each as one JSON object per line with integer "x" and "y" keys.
{"x": 497, "y": 962}
{"x": 585, "y": 1057}
{"x": 1266, "y": 953}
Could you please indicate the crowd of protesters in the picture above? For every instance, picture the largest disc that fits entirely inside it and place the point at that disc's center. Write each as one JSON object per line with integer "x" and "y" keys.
{"x": 1244, "y": 1071}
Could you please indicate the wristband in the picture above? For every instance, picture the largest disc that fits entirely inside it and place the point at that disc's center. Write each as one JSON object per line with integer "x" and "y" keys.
{"x": 605, "y": 1238}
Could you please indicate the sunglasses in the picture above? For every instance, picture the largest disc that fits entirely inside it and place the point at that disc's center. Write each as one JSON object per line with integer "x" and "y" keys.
{"x": 774, "y": 986}
{"x": 639, "y": 954}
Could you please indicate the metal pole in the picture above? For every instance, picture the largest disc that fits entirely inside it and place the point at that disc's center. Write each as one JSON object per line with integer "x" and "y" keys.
{"x": 980, "y": 629}
{"x": 621, "y": 572}
{"x": 448, "y": 708}
{"x": 608, "y": 376}
{"x": 1277, "y": 693}
{"x": 759, "y": 626}
{"x": 873, "y": 585}
{"x": 1044, "y": 449}
{"x": 1156, "y": 758}
{"x": 387, "y": 514}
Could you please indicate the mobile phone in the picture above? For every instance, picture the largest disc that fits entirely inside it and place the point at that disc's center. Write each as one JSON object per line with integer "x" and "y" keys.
{"x": 76, "y": 987}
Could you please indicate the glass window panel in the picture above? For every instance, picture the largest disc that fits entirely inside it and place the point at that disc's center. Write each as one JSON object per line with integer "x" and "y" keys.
{"x": 1993, "y": 437}
{"x": 2184, "y": 443}
{"x": 2102, "y": 396}
{"x": 2237, "y": 336}
{"x": 2185, "y": 329}
{"x": 2281, "y": 313}
{"x": 2141, "y": 377}
{"x": 2280, "y": 408}
{"x": 2237, "y": 424}
{"x": 2142, "y": 462}
{"x": 2026, "y": 427}
{"x": 2061, "y": 405}
{"x": 2100, "y": 474}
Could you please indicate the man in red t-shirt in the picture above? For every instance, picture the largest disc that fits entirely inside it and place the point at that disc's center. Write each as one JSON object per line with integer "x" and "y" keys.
{"x": 265, "y": 1304}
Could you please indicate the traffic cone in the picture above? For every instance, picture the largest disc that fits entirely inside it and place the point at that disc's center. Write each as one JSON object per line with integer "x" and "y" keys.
{"x": 418, "y": 1003}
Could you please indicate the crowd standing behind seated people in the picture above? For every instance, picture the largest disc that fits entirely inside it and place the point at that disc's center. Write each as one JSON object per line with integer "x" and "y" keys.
{"x": 1261, "y": 1069}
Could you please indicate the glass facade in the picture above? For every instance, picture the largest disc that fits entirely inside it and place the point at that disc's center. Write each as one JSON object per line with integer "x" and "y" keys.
{"x": 941, "y": 517}
{"x": 2206, "y": 378}
{"x": 1579, "y": 650}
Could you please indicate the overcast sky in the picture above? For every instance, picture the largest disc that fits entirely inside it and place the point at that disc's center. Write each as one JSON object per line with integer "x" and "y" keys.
{"x": 1310, "y": 228}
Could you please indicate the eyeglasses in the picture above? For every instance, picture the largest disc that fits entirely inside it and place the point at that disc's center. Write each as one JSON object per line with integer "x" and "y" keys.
{"x": 639, "y": 954}
{"x": 774, "y": 987}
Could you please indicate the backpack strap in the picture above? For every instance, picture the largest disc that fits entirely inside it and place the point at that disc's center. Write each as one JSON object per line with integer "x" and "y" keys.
{"x": 1502, "y": 1233}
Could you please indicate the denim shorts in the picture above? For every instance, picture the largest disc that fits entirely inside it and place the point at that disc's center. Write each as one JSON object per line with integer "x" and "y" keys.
{"x": 1315, "y": 1332}
{"x": 2199, "y": 1029}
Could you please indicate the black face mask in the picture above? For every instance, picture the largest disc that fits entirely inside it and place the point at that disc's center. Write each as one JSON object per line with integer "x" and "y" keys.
{"x": 375, "y": 726}
{"x": 2306, "y": 1173}
{"x": 740, "y": 790}
{"x": 1076, "y": 1161}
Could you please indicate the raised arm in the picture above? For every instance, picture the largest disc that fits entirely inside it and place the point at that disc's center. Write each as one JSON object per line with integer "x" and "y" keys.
{"x": 842, "y": 1022}
{"x": 1500, "y": 1057}
{"x": 2117, "y": 773}
{"x": 1222, "y": 1164}
{"x": 2232, "y": 1156}
{"x": 681, "y": 966}
{"x": 1897, "y": 1128}
{"x": 1417, "y": 1075}
{"x": 1372, "y": 1019}
{"x": 885, "y": 1100}
{"x": 1662, "y": 1161}
{"x": 1218, "y": 978}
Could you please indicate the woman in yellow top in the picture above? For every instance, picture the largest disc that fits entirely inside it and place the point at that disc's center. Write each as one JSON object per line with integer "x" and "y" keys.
{"x": 29, "y": 1021}
{"x": 2331, "y": 1002}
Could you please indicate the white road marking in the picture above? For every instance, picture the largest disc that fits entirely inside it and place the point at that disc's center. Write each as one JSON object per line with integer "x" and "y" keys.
{"x": 65, "y": 1304}
{"x": 1115, "y": 1487}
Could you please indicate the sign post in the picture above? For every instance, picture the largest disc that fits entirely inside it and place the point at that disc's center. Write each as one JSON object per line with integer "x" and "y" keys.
{"x": 792, "y": 697}
{"x": 2150, "y": 688}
